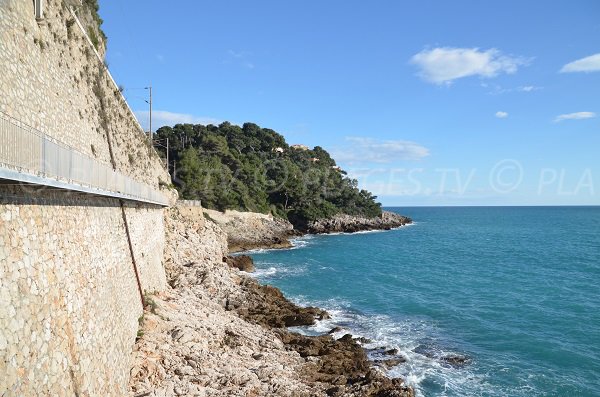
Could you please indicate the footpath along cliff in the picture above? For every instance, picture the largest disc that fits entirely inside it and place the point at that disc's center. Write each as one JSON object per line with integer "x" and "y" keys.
{"x": 217, "y": 332}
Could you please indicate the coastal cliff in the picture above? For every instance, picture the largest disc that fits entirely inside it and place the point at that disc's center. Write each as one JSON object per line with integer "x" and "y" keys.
{"x": 217, "y": 332}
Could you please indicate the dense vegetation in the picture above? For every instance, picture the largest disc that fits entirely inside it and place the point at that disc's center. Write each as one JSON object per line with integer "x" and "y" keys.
{"x": 253, "y": 168}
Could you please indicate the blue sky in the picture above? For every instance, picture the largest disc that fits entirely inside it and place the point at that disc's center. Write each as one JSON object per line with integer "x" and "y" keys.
{"x": 426, "y": 103}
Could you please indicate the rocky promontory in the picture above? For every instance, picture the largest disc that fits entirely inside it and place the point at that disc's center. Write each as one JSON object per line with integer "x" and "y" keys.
{"x": 343, "y": 223}
{"x": 249, "y": 230}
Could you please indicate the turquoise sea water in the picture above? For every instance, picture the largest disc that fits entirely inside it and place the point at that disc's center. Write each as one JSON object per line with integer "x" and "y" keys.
{"x": 516, "y": 289}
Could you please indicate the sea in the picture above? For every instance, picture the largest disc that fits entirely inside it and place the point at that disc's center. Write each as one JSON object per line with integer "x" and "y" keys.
{"x": 512, "y": 292}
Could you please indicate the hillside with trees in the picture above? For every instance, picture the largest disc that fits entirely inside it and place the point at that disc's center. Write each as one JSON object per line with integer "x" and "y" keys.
{"x": 250, "y": 168}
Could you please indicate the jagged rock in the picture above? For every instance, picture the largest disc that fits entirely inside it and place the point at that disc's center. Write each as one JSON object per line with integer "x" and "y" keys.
{"x": 391, "y": 362}
{"x": 455, "y": 360}
{"x": 241, "y": 262}
{"x": 266, "y": 305}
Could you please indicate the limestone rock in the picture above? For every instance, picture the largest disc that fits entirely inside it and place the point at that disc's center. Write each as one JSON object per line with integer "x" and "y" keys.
{"x": 241, "y": 262}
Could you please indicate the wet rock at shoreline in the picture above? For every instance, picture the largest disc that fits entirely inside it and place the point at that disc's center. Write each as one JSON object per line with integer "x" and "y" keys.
{"x": 390, "y": 362}
{"x": 340, "y": 362}
{"x": 266, "y": 305}
{"x": 455, "y": 360}
{"x": 242, "y": 262}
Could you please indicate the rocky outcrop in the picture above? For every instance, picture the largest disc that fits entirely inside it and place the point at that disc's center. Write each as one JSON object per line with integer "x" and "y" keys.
{"x": 266, "y": 305}
{"x": 250, "y": 230}
{"x": 351, "y": 224}
{"x": 244, "y": 263}
{"x": 218, "y": 332}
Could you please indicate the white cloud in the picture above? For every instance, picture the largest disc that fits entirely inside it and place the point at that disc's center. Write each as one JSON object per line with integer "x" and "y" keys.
{"x": 496, "y": 89}
{"x": 240, "y": 57}
{"x": 587, "y": 64}
{"x": 528, "y": 88}
{"x": 501, "y": 114}
{"x": 444, "y": 64}
{"x": 162, "y": 117}
{"x": 369, "y": 150}
{"x": 575, "y": 116}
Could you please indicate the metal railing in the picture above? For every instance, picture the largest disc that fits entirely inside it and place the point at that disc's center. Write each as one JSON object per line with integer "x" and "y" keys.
{"x": 29, "y": 151}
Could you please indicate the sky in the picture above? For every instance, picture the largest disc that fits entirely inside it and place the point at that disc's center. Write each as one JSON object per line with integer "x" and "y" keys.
{"x": 425, "y": 103}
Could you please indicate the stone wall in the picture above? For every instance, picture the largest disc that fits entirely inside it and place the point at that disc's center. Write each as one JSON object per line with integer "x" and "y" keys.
{"x": 69, "y": 301}
{"x": 52, "y": 80}
{"x": 147, "y": 233}
{"x": 69, "y": 298}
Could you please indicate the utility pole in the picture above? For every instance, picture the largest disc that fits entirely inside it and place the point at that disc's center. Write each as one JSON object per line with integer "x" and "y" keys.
{"x": 150, "y": 103}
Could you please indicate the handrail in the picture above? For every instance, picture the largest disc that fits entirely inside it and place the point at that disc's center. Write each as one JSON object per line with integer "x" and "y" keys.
{"x": 30, "y": 151}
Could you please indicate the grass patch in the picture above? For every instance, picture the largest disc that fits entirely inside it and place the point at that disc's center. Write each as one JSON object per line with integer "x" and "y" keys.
{"x": 149, "y": 303}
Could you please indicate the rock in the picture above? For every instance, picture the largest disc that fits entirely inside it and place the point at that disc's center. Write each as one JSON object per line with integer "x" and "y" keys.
{"x": 242, "y": 262}
{"x": 250, "y": 230}
{"x": 351, "y": 224}
{"x": 455, "y": 360}
{"x": 335, "y": 329}
{"x": 298, "y": 319}
{"x": 266, "y": 305}
{"x": 391, "y": 362}
{"x": 221, "y": 333}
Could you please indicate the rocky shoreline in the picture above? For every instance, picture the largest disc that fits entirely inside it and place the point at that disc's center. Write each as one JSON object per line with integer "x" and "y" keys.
{"x": 351, "y": 224}
{"x": 248, "y": 231}
{"x": 218, "y": 332}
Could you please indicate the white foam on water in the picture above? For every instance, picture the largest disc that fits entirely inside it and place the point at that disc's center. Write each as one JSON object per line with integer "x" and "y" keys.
{"x": 300, "y": 242}
{"x": 261, "y": 273}
{"x": 276, "y": 270}
{"x": 416, "y": 342}
{"x": 297, "y": 243}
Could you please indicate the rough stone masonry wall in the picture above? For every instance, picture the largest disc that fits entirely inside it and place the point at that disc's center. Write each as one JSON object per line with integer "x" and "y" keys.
{"x": 51, "y": 79}
{"x": 69, "y": 302}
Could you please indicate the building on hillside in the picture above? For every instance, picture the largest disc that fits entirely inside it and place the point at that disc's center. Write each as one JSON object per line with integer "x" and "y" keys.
{"x": 299, "y": 147}
{"x": 314, "y": 159}
{"x": 278, "y": 150}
